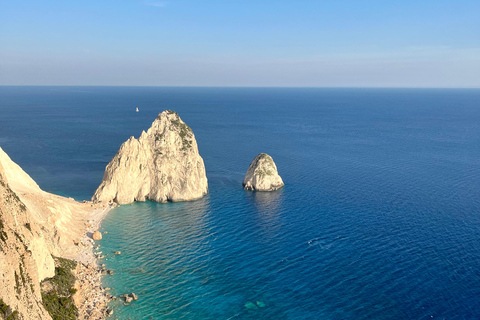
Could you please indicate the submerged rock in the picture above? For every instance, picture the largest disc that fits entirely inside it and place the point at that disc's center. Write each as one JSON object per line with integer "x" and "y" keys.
{"x": 262, "y": 174}
{"x": 260, "y": 304}
{"x": 250, "y": 305}
{"x": 162, "y": 165}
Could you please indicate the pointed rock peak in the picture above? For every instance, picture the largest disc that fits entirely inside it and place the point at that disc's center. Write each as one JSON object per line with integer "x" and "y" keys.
{"x": 262, "y": 174}
{"x": 168, "y": 126}
{"x": 162, "y": 165}
{"x": 171, "y": 118}
{"x": 168, "y": 114}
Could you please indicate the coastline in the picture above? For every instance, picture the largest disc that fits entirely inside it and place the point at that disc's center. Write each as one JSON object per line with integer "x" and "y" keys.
{"x": 91, "y": 297}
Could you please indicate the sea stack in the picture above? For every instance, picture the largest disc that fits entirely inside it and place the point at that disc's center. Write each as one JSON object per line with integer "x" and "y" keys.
{"x": 262, "y": 174}
{"x": 162, "y": 165}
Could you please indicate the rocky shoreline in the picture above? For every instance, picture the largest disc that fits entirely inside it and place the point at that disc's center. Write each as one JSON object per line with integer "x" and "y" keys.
{"x": 91, "y": 297}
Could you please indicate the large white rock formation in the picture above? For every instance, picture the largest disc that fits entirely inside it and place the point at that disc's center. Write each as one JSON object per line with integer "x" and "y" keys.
{"x": 162, "y": 165}
{"x": 262, "y": 174}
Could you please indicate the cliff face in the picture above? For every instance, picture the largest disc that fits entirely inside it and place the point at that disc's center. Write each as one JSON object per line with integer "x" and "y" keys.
{"x": 34, "y": 225}
{"x": 262, "y": 174}
{"x": 162, "y": 165}
{"x": 24, "y": 262}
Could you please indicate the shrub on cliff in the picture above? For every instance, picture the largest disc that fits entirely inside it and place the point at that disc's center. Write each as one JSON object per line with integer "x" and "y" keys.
{"x": 57, "y": 291}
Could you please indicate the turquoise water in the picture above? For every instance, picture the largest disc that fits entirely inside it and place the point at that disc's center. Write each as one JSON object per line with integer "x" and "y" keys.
{"x": 379, "y": 217}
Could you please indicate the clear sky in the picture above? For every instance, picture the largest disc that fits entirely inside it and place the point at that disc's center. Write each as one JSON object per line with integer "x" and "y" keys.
{"x": 350, "y": 43}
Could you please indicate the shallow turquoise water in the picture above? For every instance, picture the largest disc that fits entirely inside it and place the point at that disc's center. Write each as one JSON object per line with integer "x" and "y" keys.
{"x": 379, "y": 218}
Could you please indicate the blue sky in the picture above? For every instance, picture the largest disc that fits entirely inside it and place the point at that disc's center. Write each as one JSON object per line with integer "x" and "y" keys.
{"x": 241, "y": 43}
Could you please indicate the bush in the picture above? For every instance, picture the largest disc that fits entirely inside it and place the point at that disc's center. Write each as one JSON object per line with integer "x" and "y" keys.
{"x": 6, "y": 312}
{"x": 58, "y": 301}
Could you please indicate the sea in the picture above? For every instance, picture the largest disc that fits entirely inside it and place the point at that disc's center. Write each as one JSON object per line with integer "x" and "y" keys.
{"x": 379, "y": 217}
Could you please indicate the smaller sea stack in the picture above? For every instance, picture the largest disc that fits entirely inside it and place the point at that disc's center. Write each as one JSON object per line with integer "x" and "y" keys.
{"x": 262, "y": 174}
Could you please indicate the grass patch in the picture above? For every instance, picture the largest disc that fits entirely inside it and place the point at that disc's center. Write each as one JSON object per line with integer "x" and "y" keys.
{"x": 58, "y": 298}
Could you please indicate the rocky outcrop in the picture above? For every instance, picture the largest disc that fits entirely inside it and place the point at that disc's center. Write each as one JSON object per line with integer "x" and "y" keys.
{"x": 162, "y": 165}
{"x": 24, "y": 258}
{"x": 262, "y": 174}
{"x": 97, "y": 235}
{"x": 34, "y": 226}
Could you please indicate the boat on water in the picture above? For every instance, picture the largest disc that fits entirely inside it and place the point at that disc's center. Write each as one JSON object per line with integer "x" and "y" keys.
{"x": 137, "y": 110}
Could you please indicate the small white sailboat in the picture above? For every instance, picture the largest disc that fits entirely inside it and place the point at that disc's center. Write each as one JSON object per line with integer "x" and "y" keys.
{"x": 137, "y": 110}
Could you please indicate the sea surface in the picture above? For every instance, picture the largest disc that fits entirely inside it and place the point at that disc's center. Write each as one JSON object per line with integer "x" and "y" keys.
{"x": 379, "y": 217}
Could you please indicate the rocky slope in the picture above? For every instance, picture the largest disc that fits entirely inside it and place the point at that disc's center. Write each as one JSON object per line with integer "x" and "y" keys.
{"x": 163, "y": 164}
{"x": 34, "y": 226}
{"x": 24, "y": 260}
{"x": 262, "y": 174}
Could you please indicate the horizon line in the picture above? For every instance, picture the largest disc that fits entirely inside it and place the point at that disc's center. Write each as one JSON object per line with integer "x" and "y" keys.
{"x": 232, "y": 87}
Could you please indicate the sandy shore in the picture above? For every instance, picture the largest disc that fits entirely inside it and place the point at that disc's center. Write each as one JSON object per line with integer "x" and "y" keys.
{"x": 91, "y": 298}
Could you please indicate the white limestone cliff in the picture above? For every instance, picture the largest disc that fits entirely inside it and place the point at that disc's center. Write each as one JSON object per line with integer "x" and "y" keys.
{"x": 262, "y": 174}
{"x": 162, "y": 165}
{"x": 34, "y": 226}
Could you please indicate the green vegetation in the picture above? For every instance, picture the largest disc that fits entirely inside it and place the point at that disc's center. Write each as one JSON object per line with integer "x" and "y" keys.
{"x": 18, "y": 285}
{"x": 58, "y": 299}
{"x": 22, "y": 274}
{"x": 3, "y": 234}
{"x": 6, "y": 312}
{"x": 13, "y": 198}
{"x": 158, "y": 136}
{"x": 21, "y": 240}
{"x": 24, "y": 277}
{"x": 184, "y": 131}
{"x": 262, "y": 170}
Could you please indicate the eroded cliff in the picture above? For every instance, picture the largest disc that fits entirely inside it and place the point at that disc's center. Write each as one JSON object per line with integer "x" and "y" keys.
{"x": 34, "y": 226}
{"x": 162, "y": 165}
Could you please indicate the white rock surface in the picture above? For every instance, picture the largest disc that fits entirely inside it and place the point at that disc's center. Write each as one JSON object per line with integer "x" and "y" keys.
{"x": 162, "y": 165}
{"x": 262, "y": 174}
{"x": 34, "y": 226}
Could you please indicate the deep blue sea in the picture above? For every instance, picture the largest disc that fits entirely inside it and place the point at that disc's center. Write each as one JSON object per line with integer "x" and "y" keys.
{"x": 379, "y": 217}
